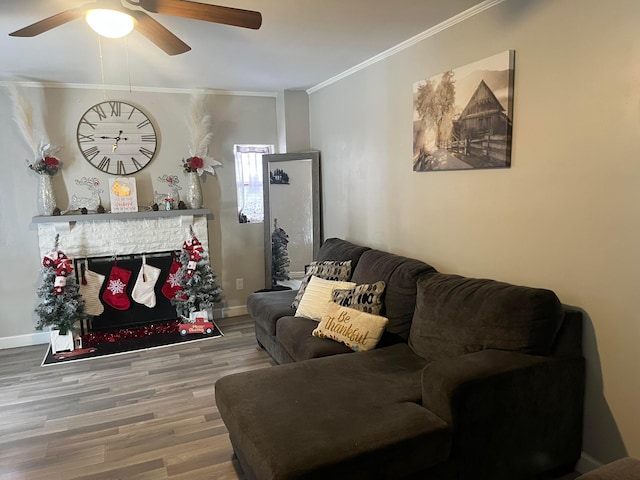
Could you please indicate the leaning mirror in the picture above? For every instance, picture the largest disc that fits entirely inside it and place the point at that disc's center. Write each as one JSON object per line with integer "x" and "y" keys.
{"x": 292, "y": 226}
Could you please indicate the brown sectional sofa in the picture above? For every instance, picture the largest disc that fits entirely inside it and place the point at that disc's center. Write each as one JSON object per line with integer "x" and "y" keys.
{"x": 472, "y": 379}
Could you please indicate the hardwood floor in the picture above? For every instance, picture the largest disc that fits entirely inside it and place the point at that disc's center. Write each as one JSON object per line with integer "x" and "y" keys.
{"x": 146, "y": 415}
{"x": 142, "y": 415}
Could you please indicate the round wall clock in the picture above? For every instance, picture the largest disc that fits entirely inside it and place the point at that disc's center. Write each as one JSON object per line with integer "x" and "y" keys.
{"x": 117, "y": 138}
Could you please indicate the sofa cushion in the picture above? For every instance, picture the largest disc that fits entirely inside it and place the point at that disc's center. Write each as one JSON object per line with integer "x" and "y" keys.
{"x": 328, "y": 270}
{"x": 337, "y": 249}
{"x": 400, "y": 275}
{"x": 294, "y": 335}
{"x": 267, "y": 307}
{"x": 457, "y": 315}
{"x": 352, "y": 416}
{"x": 360, "y": 331}
{"x": 366, "y": 297}
{"x": 317, "y": 297}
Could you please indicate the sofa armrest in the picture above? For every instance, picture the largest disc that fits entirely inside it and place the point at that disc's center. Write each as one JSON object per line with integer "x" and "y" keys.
{"x": 511, "y": 413}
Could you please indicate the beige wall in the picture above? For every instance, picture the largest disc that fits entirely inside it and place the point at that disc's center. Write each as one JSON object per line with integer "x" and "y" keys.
{"x": 566, "y": 216}
{"x": 236, "y": 250}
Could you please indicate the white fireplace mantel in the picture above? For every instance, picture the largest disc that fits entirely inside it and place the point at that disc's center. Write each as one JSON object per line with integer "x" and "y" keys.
{"x": 112, "y": 234}
{"x": 119, "y": 216}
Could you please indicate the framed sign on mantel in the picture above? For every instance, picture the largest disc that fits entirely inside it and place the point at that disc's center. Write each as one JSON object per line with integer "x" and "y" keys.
{"x": 123, "y": 194}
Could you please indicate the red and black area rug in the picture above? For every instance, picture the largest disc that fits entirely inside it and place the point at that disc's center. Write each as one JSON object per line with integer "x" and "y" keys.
{"x": 117, "y": 342}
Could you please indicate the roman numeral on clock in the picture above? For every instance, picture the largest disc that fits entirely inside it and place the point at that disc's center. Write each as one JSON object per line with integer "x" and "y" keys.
{"x": 99, "y": 111}
{"x": 144, "y": 123}
{"x": 136, "y": 163}
{"x": 121, "y": 170}
{"x": 91, "y": 152}
{"x": 82, "y": 138}
{"x": 104, "y": 164}
{"x": 146, "y": 152}
{"x": 84, "y": 121}
{"x": 133, "y": 110}
{"x": 116, "y": 108}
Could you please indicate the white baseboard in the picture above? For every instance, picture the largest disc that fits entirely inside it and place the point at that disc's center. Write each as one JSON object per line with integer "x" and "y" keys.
{"x": 586, "y": 463}
{"x": 229, "y": 311}
{"x": 38, "y": 338}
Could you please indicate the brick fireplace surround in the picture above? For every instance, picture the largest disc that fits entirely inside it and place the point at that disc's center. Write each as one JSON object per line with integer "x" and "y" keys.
{"x": 110, "y": 234}
{"x": 123, "y": 235}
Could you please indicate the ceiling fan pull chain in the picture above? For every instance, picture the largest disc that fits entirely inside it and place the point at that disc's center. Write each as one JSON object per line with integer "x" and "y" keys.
{"x": 104, "y": 89}
{"x": 126, "y": 48}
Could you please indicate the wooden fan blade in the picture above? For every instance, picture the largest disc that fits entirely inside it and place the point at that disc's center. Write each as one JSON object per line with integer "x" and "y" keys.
{"x": 203, "y": 11}
{"x": 158, "y": 34}
{"x": 48, "y": 23}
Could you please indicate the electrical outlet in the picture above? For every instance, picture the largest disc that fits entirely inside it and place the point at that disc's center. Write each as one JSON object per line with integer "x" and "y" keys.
{"x": 239, "y": 283}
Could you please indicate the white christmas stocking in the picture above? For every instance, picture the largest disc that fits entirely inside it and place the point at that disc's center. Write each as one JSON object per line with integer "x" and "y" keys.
{"x": 90, "y": 290}
{"x": 143, "y": 290}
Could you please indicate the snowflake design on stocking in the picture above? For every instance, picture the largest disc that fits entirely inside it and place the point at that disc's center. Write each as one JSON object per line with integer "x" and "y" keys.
{"x": 174, "y": 279}
{"x": 116, "y": 286}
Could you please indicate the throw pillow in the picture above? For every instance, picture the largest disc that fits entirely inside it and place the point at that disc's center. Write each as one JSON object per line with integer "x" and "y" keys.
{"x": 330, "y": 270}
{"x": 317, "y": 297}
{"x": 360, "y": 331}
{"x": 365, "y": 297}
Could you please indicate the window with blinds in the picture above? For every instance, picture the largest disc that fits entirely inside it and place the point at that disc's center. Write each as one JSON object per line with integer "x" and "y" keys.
{"x": 248, "y": 159}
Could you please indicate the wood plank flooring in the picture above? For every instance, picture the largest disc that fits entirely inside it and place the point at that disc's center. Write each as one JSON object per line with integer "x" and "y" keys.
{"x": 143, "y": 415}
{"x": 146, "y": 415}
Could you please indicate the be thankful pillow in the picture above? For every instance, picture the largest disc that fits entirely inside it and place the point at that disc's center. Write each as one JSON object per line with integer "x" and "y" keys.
{"x": 360, "y": 331}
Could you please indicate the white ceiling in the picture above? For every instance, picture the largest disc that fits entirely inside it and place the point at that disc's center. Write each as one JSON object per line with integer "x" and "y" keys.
{"x": 301, "y": 44}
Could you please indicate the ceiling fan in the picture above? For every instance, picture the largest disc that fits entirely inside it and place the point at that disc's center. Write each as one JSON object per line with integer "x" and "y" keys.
{"x": 148, "y": 26}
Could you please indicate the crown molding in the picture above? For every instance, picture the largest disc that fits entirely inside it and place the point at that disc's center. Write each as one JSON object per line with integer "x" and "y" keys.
{"x": 461, "y": 17}
{"x": 126, "y": 88}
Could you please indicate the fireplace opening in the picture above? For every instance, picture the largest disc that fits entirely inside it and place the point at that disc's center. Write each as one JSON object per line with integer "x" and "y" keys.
{"x": 137, "y": 315}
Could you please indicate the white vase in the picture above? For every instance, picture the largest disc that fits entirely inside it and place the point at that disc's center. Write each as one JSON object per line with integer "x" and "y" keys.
{"x": 193, "y": 195}
{"x": 46, "y": 199}
{"x": 61, "y": 343}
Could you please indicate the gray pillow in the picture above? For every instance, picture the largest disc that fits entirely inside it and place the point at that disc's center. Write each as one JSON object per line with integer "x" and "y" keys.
{"x": 365, "y": 298}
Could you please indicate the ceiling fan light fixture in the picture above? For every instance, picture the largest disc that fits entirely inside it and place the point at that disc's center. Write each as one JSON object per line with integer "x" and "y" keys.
{"x": 109, "y": 23}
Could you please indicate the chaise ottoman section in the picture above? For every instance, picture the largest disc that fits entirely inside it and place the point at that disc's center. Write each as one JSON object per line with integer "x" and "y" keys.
{"x": 366, "y": 419}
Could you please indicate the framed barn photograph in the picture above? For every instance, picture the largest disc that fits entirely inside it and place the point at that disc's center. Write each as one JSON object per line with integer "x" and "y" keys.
{"x": 463, "y": 118}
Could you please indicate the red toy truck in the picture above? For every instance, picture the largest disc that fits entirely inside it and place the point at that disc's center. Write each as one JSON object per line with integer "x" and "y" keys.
{"x": 201, "y": 325}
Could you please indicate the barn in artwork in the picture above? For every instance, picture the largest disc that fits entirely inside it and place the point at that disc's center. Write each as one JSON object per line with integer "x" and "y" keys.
{"x": 483, "y": 129}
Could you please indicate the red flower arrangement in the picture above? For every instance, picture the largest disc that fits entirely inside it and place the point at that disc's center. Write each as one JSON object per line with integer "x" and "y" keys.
{"x": 196, "y": 164}
{"x": 46, "y": 166}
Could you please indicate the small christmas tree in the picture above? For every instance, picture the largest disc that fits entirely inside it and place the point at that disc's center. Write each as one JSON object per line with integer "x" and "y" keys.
{"x": 62, "y": 305}
{"x": 280, "y": 260}
{"x": 200, "y": 289}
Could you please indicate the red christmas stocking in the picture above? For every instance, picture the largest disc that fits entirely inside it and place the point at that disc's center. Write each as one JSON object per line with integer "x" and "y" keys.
{"x": 116, "y": 292}
{"x": 172, "y": 283}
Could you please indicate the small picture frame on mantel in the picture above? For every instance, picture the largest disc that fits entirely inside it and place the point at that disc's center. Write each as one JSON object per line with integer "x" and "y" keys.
{"x": 123, "y": 194}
